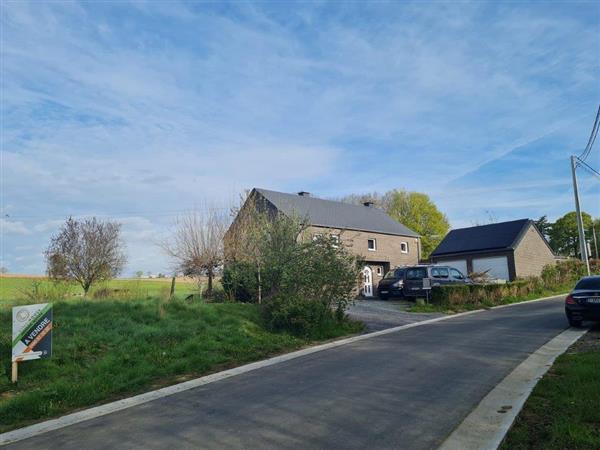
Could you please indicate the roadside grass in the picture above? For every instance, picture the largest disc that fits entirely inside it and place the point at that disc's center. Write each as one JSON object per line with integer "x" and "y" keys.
{"x": 563, "y": 411}
{"x": 431, "y": 308}
{"x": 109, "y": 349}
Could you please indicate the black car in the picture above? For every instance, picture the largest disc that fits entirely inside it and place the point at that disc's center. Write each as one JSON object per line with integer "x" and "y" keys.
{"x": 391, "y": 285}
{"x": 583, "y": 303}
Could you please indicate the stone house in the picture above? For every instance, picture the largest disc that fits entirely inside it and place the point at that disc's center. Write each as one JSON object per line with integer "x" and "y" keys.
{"x": 381, "y": 242}
{"x": 507, "y": 250}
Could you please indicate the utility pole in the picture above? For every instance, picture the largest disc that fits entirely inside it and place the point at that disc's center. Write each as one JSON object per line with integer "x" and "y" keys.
{"x": 582, "y": 243}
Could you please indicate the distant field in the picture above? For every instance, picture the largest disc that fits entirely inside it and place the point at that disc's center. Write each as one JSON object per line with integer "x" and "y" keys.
{"x": 13, "y": 288}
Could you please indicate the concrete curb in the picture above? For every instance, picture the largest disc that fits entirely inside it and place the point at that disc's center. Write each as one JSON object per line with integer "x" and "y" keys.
{"x": 91, "y": 413}
{"x": 485, "y": 427}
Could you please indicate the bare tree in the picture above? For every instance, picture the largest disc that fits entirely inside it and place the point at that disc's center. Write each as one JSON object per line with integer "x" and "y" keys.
{"x": 196, "y": 244}
{"x": 86, "y": 251}
{"x": 3, "y": 270}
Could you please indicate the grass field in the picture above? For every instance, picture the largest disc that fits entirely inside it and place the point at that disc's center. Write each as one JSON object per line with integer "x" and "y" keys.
{"x": 563, "y": 411}
{"x": 105, "y": 349}
{"x": 13, "y": 289}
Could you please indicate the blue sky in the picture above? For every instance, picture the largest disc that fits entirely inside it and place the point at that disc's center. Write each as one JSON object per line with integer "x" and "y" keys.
{"x": 139, "y": 111}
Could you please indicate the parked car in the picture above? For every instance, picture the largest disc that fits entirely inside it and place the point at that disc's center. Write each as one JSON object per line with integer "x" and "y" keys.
{"x": 583, "y": 303}
{"x": 391, "y": 284}
{"x": 408, "y": 281}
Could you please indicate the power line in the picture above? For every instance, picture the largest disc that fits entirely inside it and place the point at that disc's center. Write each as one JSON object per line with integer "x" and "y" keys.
{"x": 588, "y": 167}
{"x": 592, "y": 139}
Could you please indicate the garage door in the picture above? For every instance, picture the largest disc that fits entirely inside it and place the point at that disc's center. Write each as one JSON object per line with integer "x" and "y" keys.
{"x": 497, "y": 266}
{"x": 459, "y": 264}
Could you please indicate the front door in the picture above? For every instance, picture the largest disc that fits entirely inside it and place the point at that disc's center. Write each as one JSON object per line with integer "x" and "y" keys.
{"x": 367, "y": 282}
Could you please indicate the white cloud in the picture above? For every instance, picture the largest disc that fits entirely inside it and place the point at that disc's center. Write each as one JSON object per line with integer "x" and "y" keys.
{"x": 13, "y": 227}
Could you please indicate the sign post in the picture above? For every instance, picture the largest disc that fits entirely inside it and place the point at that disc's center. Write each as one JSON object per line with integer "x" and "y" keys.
{"x": 427, "y": 288}
{"x": 31, "y": 334}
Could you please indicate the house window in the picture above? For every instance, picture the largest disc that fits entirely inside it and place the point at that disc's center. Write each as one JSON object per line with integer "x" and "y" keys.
{"x": 379, "y": 270}
{"x": 404, "y": 247}
{"x": 372, "y": 245}
{"x": 335, "y": 239}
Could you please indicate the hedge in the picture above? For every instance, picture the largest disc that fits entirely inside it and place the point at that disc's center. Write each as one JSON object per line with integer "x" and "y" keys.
{"x": 556, "y": 277}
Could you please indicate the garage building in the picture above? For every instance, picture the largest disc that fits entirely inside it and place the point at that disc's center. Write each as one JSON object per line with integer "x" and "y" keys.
{"x": 507, "y": 250}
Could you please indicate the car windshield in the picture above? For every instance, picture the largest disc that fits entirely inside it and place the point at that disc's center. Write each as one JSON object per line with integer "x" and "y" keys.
{"x": 416, "y": 274}
{"x": 394, "y": 274}
{"x": 588, "y": 283}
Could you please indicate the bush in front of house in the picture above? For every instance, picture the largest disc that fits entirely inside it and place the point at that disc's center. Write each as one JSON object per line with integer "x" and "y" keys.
{"x": 240, "y": 281}
{"x": 303, "y": 284}
{"x": 558, "y": 277}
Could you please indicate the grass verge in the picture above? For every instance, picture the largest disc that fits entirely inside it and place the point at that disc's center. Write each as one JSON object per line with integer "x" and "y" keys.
{"x": 110, "y": 349}
{"x": 563, "y": 411}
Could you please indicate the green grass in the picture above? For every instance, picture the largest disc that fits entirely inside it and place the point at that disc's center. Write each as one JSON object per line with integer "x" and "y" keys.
{"x": 563, "y": 411}
{"x": 430, "y": 308}
{"x": 108, "y": 349}
{"x": 13, "y": 289}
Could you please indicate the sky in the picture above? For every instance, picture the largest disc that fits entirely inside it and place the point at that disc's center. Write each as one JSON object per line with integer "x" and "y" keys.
{"x": 138, "y": 112}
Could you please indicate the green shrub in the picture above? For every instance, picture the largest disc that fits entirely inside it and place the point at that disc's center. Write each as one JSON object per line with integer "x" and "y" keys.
{"x": 240, "y": 281}
{"x": 554, "y": 277}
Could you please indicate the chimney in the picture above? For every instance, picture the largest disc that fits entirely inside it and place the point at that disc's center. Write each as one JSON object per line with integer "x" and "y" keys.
{"x": 368, "y": 204}
{"x": 304, "y": 194}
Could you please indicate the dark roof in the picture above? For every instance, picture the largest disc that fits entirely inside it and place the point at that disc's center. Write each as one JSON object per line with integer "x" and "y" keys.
{"x": 495, "y": 236}
{"x": 331, "y": 214}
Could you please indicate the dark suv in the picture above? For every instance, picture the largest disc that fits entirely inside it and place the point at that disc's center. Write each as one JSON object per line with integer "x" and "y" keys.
{"x": 583, "y": 303}
{"x": 408, "y": 281}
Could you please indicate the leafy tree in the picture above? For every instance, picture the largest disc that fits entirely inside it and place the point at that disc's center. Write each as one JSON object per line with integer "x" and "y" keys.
{"x": 564, "y": 235}
{"x": 3, "y": 270}
{"x": 543, "y": 225}
{"x": 139, "y": 274}
{"x": 420, "y": 214}
{"x": 86, "y": 252}
{"x": 303, "y": 282}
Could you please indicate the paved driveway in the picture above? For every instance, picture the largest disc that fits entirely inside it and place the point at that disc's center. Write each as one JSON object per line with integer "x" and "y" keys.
{"x": 378, "y": 315}
{"x": 407, "y": 389}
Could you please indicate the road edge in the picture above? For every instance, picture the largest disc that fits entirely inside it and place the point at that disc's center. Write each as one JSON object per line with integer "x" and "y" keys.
{"x": 97, "y": 411}
{"x": 486, "y": 426}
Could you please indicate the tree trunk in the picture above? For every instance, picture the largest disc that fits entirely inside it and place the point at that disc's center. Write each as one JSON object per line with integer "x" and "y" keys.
{"x": 210, "y": 284}
{"x": 172, "y": 293}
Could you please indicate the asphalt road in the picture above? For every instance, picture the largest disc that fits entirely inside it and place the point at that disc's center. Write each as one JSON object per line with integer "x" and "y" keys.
{"x": 407, "y": 389}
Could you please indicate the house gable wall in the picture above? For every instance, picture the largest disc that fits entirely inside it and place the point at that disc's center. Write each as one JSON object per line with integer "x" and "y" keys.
{"x": 532, "y": 254}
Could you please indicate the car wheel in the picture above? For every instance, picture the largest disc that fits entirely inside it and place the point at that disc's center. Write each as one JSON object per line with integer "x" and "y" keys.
{"x": 575, "y": 323}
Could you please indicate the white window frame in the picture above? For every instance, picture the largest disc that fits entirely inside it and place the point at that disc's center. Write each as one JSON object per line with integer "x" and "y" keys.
{"x": 403, "y": 247}
{"x": 374, "y": 249}
{"x": 335, "y": 238}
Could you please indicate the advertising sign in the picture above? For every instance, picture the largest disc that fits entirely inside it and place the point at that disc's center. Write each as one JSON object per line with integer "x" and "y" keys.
{"x": 32, "y": 332}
